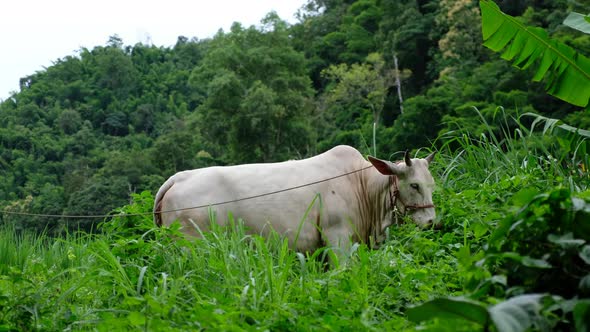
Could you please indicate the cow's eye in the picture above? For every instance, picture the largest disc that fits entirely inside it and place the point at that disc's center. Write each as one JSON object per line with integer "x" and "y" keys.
{"x": 415, "y": 186}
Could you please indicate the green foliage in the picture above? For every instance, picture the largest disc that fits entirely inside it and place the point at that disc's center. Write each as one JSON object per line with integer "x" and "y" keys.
{"x": 131, "y": 116}
{"x": 135, "y": 276}
{"x": 513, "y": 254}
{"x": 364, "y": 85}
{"x": 538, "y": 249}
{"x": 413, "y": 127}
{"x": 519, "y": 313}
{"x": 256, "y": 95}
{"x": 460, "y": 37}
{"x": 84, "y": 134}
{"x": 356, "y": 98}
{"x": 555, "y": 220}
{"x": 450, "y": 308}
{"x": 568, "y": 72}
{"x": 523, "y": 210}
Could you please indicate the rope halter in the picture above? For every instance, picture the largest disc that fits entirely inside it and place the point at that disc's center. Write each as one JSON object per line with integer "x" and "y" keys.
{"x": 395, "y": 196}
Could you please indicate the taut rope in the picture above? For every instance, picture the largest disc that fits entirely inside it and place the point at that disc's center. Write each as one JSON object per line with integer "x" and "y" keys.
{"x": 101, "y": 216}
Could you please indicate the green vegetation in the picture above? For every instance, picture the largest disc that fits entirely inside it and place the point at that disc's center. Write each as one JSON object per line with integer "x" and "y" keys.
{"x": 97, "y": 126}
{"x": 98, "y": 133}
{"x": 515, "y": 228}
{"x": 568, "y": 71}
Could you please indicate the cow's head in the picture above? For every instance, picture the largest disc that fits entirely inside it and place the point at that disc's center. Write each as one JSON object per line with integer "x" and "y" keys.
{"x": 412, "y": 186}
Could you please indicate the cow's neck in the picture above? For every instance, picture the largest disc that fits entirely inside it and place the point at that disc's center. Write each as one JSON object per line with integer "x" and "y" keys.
{"x": 374, "y": 206}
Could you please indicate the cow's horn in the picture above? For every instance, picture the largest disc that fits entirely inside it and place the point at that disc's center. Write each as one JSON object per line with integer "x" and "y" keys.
{"x": 430, "y": 157}
{"x": 407, "y": 158}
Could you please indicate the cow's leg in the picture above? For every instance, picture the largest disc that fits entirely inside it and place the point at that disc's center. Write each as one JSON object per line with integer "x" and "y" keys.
{"x": 337, "y": 238}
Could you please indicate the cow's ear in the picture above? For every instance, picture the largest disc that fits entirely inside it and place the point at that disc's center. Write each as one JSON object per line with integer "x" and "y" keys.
{"x": 383, "y": 166}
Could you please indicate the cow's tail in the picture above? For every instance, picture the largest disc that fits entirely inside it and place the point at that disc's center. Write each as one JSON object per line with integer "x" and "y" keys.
{"x": 159, "y": 198}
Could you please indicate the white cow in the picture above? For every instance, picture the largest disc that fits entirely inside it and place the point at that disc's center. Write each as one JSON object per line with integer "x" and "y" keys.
{"x": 353, "y": 199}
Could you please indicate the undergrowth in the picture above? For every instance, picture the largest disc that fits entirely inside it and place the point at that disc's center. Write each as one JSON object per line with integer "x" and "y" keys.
{"x": 152, "y": 279}
{"x": 515, "y": 239}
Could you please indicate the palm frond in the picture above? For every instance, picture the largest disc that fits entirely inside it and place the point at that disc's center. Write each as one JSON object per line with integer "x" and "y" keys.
{"x": 567, "y": 73}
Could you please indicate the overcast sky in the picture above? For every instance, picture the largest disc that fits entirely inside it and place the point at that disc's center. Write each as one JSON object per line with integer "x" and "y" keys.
{"x": 34, "y": 33}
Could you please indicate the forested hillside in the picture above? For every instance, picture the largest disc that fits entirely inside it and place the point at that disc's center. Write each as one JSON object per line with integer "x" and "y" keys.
{"x": 103, "y": 123}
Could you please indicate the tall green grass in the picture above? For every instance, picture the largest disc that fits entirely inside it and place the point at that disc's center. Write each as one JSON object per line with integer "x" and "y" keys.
{"x": 519, "y": 196}
{"x": 480, "y": 172}
{"x": 228, "y": 280}
{"x": 132, "y": 276}
{"x": 487, "y": 180}
{"x": 510, "y": 147}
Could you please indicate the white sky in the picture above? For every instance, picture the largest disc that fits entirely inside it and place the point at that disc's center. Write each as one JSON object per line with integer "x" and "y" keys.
{"x": 35, "y": 33}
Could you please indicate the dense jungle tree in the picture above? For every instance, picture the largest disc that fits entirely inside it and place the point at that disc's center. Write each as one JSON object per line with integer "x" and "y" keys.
{"x": 256, "y": 95}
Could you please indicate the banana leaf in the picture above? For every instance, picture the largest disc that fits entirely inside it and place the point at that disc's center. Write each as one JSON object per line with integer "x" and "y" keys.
{"x": 565, "y": 71}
